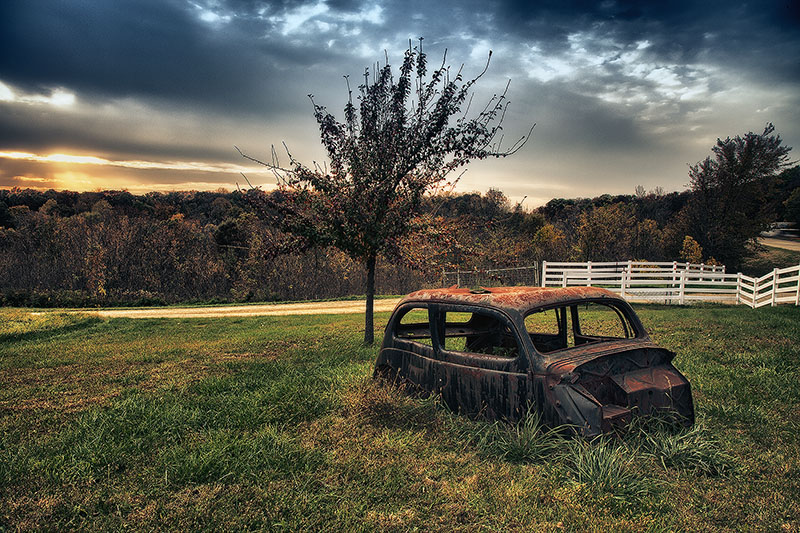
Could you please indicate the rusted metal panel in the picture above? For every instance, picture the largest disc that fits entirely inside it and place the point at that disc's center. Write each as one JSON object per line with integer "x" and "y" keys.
{"x": 594, "y": 387}
{"x": 518, "y": 299}
{"x": 468, "y": 390}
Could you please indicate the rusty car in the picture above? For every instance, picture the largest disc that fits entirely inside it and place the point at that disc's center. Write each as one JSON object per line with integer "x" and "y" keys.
{"x": 578, "y": 355}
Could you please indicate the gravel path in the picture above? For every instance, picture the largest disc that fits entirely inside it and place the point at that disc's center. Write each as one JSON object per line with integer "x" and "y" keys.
{"x": 786, "y": 244}
{"x": 310, "y": 308}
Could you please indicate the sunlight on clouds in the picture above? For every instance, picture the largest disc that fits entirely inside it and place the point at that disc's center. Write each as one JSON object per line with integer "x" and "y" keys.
{"x": 371, "y": 14}
{"x": 68, "y": 180}
{"x": 30, "y": 179}
{"x": 294, "y": 20}
{"x": 61, "y": 98}
{"x": 480, "y": 51}
{"x": 58, "y": 97}
{"x": 6, "y": 94}
{"x": 319, "y": 18}
{"x": 209, "y": 15}
{"x": 545, "y": 68}
{"x": 81, "y": 182}
{"x": 64, "y": 158}
{"x": 619, "y": 73}
{"x": 75, "y": 181}
{"x": 134, "y": 164}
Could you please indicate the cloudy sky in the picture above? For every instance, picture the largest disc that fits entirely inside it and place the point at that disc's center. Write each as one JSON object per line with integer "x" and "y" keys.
{"x": 154, "y": 94}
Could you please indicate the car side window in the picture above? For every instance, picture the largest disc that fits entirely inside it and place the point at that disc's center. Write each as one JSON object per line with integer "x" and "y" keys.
{"x": 479, "y": 333}
{"x": 574, "y": 324}
{"x": 596, "y": 321}
{"x": 548, "y": 329}
{"x": 413, "y": 325}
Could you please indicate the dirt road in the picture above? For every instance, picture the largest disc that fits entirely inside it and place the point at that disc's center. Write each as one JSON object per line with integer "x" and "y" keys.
{"x": 310, "y": 308}
{"x": 786, "y": 244}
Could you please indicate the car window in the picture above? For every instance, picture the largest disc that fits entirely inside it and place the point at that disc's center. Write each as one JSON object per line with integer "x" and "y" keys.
{"x": 545, "y": 321}
{"x": 479, "y": 333}
{"x": 572, "y": 325}
{"x": 598, "y": 321}
{"x": 549, "y": 329}
{"x": 413, "y": 325}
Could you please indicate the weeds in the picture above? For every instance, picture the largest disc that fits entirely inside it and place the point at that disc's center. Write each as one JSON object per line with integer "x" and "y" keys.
{"x": 527, "y": 441}
{"x": 694, "y": 450}
{"x": 606, "y": 466}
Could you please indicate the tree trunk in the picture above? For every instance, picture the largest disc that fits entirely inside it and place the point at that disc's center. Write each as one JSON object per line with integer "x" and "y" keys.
{"x": 369, "y": 329}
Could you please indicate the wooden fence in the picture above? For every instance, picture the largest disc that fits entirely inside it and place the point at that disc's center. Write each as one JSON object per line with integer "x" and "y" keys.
{"x": 677, "y": 283}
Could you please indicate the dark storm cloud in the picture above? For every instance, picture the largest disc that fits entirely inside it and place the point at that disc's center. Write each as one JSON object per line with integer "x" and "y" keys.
{"x": 152, "y": 49}
{"x": 763, "y": 37}
{"x": 163, "y": 49}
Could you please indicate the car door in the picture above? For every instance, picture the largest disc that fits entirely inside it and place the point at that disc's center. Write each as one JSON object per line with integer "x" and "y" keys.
{"x": 479, "y": 363}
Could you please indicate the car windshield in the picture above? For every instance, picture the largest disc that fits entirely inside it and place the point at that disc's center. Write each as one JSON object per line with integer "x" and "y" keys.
{"x": 577, "y": 324}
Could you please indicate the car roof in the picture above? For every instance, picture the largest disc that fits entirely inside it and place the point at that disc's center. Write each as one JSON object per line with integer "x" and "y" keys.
{"x": 516, "y": 299}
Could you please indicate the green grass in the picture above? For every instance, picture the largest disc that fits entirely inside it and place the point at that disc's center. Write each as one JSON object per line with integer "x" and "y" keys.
{"x": 273, "y": 423}
{"x": 766, "y": 258}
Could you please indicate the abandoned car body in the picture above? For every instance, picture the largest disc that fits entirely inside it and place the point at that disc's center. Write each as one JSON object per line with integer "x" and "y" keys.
{"x": 578, "y": 355}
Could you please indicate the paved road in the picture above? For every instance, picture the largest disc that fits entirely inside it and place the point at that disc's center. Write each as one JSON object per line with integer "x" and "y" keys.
{"x": 310, "y": 308}
{"x": 786, "y": 244}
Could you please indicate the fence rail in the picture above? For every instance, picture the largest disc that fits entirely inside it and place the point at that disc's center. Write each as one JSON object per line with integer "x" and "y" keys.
{"x": 666, "y": 282}
{"x": 678, "y": 282}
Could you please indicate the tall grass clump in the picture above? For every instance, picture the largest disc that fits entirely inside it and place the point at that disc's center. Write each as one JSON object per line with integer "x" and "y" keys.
{"x": 606, "y": 466}
{"x": 529, "y": 440}
{"x": 694, "y": 449}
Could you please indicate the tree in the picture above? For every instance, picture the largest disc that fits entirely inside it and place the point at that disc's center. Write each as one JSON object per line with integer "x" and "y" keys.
{"x": 691, "y": 252}
{"x": 403, "y": 140}
{"x": 729, "y": 208}
{"x": 792, "y": 205}
{"x": 607, "y": 233}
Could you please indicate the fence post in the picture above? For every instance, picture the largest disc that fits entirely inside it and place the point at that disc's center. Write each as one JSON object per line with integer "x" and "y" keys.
{"x": 739, "y": 288}
{"x": 564, "y": 278}
{"x": 683, "y": 288}
{"x": 458, "y": 277}
{"x": 622, "y": 284}
{"x": 544, "y": 273}
{"x": 797, "y": 298}
{"x": 774, "y": 288}
{"x": 674, "y": 270}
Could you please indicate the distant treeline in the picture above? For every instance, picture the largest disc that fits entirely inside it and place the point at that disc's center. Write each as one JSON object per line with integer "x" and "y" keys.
{"x": 62, "y": 248}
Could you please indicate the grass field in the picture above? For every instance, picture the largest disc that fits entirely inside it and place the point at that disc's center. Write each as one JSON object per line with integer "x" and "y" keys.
{"x": 768, "y": 258}
{"x": 272, "y": 423}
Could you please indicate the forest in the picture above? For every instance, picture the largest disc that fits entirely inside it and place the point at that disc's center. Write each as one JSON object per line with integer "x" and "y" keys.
{"x": 62, "y": 248}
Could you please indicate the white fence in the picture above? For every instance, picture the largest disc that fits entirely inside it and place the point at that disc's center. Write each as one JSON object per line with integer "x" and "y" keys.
{"x": 781, "y": 286}
{"x": 677, "y": 282}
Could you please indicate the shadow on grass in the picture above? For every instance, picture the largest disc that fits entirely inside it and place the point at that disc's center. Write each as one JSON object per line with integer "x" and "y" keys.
{"x": 49, "y": 333}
